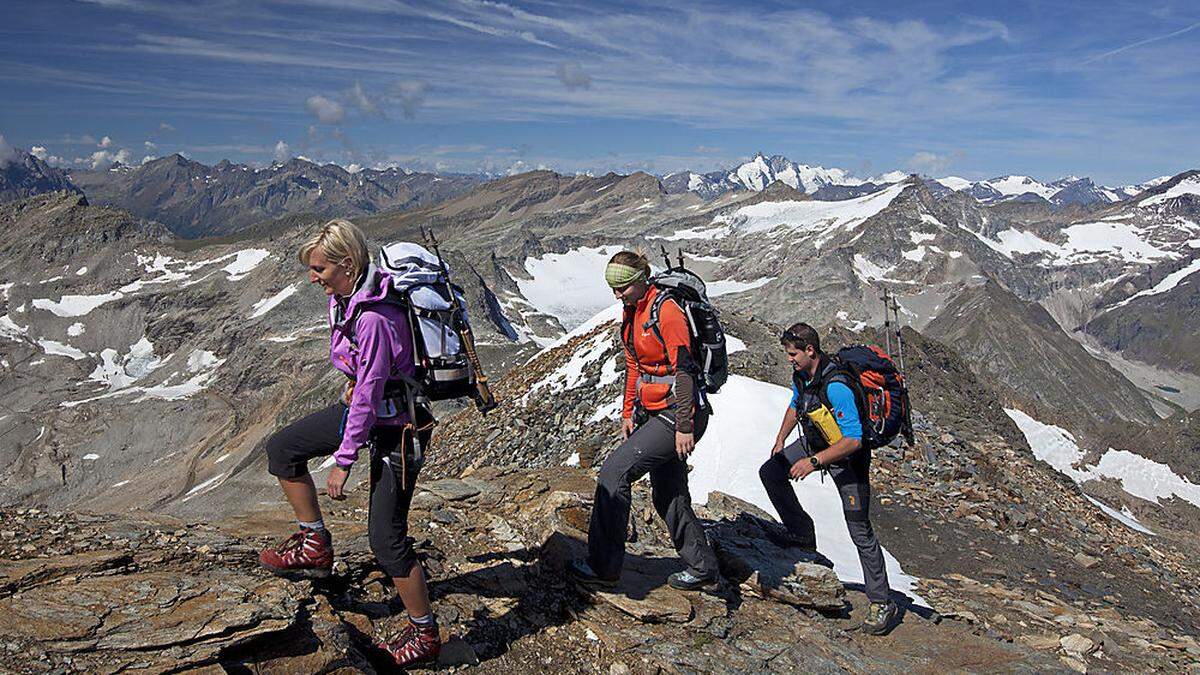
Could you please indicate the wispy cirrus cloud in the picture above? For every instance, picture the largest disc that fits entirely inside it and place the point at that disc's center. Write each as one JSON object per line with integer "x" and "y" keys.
{"x": 868, "y": 84}
{"x": 1140, "y": 43}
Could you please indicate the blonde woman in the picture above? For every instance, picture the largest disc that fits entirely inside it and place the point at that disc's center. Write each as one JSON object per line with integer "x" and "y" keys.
{"x": 371, "y": 344}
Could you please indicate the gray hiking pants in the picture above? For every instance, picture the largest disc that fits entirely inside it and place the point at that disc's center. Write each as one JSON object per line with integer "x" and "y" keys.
{"x": 851, "y": 478}
{"x": 650, "y": 449}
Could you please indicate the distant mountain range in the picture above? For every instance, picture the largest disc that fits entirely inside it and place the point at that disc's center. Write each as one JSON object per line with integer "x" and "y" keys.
{"x": 834, "y": 184}
{"x": 195, "y": 200}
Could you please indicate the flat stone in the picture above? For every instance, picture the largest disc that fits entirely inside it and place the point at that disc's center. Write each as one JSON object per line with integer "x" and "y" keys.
{"x": 452, "y": 489}
{"x": 18, "y": 574}
{"x": 1077, "y": 644}
{"x": 748, "y": 558}
{"x": 1086, "y": 561}
{"x": 151, "y": 612}
{"x": 648, "y": 605}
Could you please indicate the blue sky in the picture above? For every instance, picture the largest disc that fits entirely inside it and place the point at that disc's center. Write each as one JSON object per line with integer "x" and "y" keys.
{"x": 975, "y": 89}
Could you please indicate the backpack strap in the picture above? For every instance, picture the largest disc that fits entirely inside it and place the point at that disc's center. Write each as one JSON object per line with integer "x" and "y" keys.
{"x": 655, "y": 309}
{"x": 833, "y": 370}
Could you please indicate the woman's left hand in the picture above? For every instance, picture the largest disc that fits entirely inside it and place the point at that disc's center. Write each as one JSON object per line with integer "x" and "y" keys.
{"x": 684, "y": 444}
{"x": 337, "y": 481}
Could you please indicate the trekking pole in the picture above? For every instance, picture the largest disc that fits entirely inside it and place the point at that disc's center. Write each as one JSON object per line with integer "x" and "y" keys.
{"x": 899, "y": 338}
{"x": 484, "y": 400}
{"x": 680, "y": 253}
{"x": 887, "y": 323}
{"x": 666, "y": 256}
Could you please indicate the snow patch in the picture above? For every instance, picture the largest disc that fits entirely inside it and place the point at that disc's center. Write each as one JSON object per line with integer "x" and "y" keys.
{"x": 810, "y": 216}
{"x": 10, "y": 329}
{"x": 569, "y": 286}
{"x": 204, "y": 487}
{"x": 1124, "y": 516}
{"x": 609, "y": 411}
{"x": 267, "y": 304}
{"x": 76, "y": 329}
{"x": 1189, "y": 186}
{"x": 91, "y": 457}
{"x": 118, "y": 374}
{"x": 733, "y": 345}
{"x": 729, "y": 286}
{"x": 695, "y": 233}
{"x": 571, "y": 374}
{"x": 1168, "y": 282}
{"x": 245, "y": 262}
{"x": 76, "y": 305}
{"x": 1141, "y": 477}
{"x": 54, "y": 348}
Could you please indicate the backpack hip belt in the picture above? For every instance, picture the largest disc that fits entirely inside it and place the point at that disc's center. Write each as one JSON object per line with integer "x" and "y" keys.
{"x": 647, "y": 378}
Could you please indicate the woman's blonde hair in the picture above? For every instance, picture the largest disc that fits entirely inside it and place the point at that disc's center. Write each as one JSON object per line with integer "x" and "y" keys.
{"x": 339, "y": 239}
{"x": 632, "y": 259}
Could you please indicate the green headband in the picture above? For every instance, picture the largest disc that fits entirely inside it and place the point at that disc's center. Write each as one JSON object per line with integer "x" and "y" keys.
{"x": 620, "y": 276}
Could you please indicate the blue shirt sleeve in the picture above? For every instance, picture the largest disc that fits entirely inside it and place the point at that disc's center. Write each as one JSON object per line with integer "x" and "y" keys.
{"x": 844, "y": 409}
{"x": 795, "y": 397}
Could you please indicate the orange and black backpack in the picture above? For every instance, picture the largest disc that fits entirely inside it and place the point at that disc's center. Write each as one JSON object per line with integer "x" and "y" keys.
{"x": 879, "y": 392}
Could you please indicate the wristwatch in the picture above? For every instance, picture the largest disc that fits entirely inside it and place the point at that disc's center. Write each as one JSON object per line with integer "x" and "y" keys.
{"x": 815, "y": 463}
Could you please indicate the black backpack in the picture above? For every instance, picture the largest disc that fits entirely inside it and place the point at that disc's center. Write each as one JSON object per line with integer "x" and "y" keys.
{"x": 708, "y": 338}
{"x": 879, "y": 393}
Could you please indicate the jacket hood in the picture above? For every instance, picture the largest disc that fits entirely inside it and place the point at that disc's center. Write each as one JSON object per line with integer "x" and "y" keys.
{"x": 374, "y": 288}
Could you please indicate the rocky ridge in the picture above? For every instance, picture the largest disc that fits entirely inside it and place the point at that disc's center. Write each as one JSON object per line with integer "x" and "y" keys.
{"x": 26, "y": 176}
{"x": 197, "y": 200}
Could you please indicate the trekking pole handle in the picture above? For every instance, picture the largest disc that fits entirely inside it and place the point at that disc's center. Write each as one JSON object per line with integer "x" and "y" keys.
{"x": 485, "y": 401}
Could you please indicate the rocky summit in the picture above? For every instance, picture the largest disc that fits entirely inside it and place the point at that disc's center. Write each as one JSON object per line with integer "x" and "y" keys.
{"x": 1043, "y": 519}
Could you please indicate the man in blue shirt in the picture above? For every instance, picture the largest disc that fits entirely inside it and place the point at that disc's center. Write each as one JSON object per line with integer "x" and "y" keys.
{"x": 823, "y": 406}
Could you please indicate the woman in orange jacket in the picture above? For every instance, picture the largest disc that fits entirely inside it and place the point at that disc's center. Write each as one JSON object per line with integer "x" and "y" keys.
{"x": 661, "y": 420}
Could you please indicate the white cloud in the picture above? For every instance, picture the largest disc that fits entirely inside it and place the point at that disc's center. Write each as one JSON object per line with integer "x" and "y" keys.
{"x": 147, "y": 159}
{"x": 105, "y": 142}
{"x": 360, "y": 98}
{"x": 39, "y": 152}
{"x": 150, "y": 146}
{"x": 931, "y": 163}
{"x": 327, "y": 111}
{"x": 163, "y": 126}
{"x": 412, "y": 96}
{"x": 282, "y": 152}
{"x": 571, "y": 74}
{"x": 103, "y": 158}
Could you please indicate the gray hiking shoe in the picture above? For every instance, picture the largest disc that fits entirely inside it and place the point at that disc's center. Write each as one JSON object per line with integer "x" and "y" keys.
{"x": 687, "y": 580}
{"x": 880, "y": 617}
{"x": 582, "y": 572}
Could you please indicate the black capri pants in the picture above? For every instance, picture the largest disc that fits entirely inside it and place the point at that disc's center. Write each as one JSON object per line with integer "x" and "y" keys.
{"x": 392, "y": 485}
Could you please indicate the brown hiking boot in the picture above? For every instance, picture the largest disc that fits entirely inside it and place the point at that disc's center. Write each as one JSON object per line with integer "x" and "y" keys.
{"x": 415, "y": 644}
{"x": 308, "y": 553}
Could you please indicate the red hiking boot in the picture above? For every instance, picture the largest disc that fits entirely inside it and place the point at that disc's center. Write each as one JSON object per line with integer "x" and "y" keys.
{"x": 414, "y": 645}
{"x": 308, "y": 553}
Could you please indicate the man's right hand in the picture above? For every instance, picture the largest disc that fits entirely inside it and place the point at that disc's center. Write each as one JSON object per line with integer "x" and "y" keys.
{"x": 626, "y": 427}
{"x": 777, "y": 448}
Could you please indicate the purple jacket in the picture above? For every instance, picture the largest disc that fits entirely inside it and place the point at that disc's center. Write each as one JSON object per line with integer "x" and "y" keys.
{"x": 381, "y": 350}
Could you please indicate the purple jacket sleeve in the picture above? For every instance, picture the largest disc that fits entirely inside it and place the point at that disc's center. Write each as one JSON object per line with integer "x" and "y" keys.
{"x": 376, "y": 336}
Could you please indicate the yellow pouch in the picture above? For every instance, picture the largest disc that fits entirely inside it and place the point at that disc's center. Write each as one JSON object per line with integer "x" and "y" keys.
{"x": 823, "y": 420}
